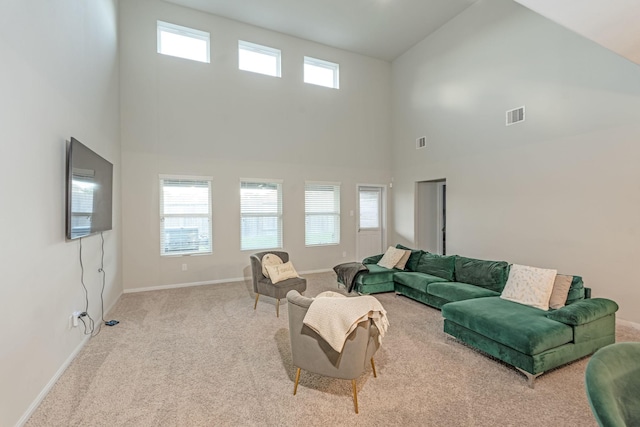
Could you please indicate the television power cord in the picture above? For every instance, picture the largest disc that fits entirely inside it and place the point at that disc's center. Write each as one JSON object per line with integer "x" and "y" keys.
{"x": 89, "y": 325}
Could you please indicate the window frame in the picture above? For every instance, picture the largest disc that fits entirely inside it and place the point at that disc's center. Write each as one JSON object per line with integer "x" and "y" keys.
{"x": 163, "y": 215}
{"x": 163, "y": 26}
{"x": 321, "y": 63}
{"x": 262, "y": 50}
{"x": 278, "y": 214}
{"x": 336, "y": 213}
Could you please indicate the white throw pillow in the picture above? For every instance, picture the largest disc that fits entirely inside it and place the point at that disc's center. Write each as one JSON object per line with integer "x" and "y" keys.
{"x": 280, "y": 272}
{"x": 530, "y": 286}
{"x": 391, "y": 257}
{"x": 269, "y": 259}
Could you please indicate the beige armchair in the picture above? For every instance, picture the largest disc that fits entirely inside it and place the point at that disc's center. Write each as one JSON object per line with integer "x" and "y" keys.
{"x": 263, "y": 286}
{"x": 312, "y": 353}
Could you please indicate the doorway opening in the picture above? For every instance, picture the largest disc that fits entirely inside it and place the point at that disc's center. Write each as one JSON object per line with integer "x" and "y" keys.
{"x": 431, "y": 216}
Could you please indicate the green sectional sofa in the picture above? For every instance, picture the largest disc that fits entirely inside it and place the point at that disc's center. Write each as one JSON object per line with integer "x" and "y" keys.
{"x": 468, "y": 290}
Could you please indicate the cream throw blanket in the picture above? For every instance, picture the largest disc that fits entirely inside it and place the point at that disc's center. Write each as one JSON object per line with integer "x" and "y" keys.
{"x": 334, "y": 316}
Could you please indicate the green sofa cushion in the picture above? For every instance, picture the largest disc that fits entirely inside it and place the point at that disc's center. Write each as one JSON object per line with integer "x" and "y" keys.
{"x": 413, "y": 280}
{"x": 437, "y": 265}
{"x": 412, "y": 262}
{"x": 521, "y": 327}
{"x": 576, "y": 291}
{"x": 457, "y": 291}
{"x": 488, "y": 274}
{"x": 372, "y": 259}
{"x": 375, "y": 275}
{"x": 585, "y": 311}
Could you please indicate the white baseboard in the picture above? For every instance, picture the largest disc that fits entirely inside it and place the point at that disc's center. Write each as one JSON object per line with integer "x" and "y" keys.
{"x": 47, "y": 388}
{"x": 34, "y": 405}
{"x": 210, "y": 282}
{"x": 628, "y": 323}
{"x": 185, "y": 285}
{"x": 324, "y": 270}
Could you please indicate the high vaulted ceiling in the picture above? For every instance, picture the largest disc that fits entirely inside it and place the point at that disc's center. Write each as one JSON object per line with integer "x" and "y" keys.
{"x": 386, "y": 29}
{"x": 614, "y": 24}
{"x": 382, "y": 29}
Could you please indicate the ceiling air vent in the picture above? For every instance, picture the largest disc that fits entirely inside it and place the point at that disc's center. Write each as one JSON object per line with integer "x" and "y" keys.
{"x": 421, "y": 142}
{"x": 515, "y": 116}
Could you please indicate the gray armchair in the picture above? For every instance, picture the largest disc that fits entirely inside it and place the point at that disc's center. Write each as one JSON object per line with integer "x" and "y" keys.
{"x": 312, "y": 353}
{"x": 263, "y": 286}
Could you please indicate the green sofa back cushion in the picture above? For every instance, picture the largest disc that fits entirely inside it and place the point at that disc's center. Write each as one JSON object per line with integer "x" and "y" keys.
{"x": 437, "y": 265}
{"x": 488, "y": 274}
{"x": 412, "y": 262}
{"x": 576, "y": 291}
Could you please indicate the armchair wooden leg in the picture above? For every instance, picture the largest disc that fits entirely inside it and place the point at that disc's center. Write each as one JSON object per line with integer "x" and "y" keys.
{"x": 256, "y": 304}
{"x": 355, "y": 394}
{"x": 277, "y": 308}
{"x": 373, "y": 365}
{"x": 295, "y": 386}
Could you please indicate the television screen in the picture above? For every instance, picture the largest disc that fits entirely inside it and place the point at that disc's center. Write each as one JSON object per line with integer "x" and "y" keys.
{"x": 89, "y": 191}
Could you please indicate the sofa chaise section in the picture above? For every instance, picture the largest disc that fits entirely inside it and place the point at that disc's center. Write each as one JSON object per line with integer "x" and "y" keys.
{"x": 528, "y": 338}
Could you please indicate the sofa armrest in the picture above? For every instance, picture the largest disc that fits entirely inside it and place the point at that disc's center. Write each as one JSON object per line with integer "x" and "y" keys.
{"x": 372, "y": 259}
{"x": 584, "y": 311}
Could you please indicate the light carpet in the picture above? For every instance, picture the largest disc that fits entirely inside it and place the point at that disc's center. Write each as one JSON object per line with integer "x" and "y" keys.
{"x": 201, "y": 356}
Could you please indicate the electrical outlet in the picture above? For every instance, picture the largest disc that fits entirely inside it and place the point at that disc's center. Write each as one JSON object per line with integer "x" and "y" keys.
{"x": 344, "y": 254}
{"x": 73, "y": 320}
{"x": 184, "y": 267}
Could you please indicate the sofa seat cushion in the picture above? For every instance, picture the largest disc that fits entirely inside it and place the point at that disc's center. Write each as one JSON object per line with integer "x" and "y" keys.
{"x": 521, "y": 327}
{"x": 375, "y": 275}
{"x": 417, "y": 281}
{"x": 457, "y": 291}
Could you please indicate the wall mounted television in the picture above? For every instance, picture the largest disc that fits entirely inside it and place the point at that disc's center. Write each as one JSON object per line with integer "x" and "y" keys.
{"x": 89, "y": 191}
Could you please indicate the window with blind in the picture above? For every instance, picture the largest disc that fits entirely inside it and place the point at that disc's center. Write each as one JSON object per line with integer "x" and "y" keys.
{"x": 185, "y": 215}
{"x": 260, "y": 214}
{"x": 370, "y": 208}
{"x": 322, "y": 213}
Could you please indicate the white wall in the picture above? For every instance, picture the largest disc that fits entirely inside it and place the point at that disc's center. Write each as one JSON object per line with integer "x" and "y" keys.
{"x": 190, "y": 118}
{"x": 559, "y": 190}
{"x": 58, "y": 78}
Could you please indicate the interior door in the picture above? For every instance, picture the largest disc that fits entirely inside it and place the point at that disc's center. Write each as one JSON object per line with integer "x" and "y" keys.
{"x": 370, "y": 221}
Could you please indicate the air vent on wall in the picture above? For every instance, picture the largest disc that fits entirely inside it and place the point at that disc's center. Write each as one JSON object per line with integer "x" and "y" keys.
{"x": 515, "y": 116}
{"x": 421, "y": 142}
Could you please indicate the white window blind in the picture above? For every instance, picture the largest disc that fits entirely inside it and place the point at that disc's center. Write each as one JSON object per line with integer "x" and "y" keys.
{"x": 321, "y": 73}
{"x": 183, "y": 42}
{"x": 259, "y": 59}
{"x": 260, "y": 214}
{"x": 370, "y": 208}
{"x": 185, "y": 215}
{"x": 322, "y": 213}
